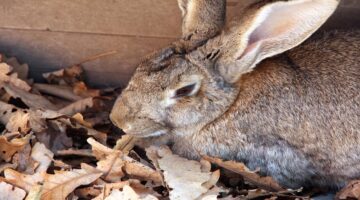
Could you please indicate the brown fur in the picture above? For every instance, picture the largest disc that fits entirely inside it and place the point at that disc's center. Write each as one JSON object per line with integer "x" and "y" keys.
{"x": 295, "y": 116}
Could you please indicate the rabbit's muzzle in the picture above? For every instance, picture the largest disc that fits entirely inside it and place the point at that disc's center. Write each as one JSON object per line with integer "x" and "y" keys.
{"x": 138, "y": 126}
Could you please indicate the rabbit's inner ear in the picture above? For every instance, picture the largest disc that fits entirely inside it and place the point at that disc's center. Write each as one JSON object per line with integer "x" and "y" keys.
{"x": 271, "y": 30}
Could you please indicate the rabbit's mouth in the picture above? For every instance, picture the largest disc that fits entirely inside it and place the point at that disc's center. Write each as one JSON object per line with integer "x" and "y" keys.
{"x": 149, "y": 134}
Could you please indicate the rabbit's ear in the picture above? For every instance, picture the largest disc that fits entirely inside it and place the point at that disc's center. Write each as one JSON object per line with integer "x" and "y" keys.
{"x": 268, "y": 29}
{"x": 202, "y": 19}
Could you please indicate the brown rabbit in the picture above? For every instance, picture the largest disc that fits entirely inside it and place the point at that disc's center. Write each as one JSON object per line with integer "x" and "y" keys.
{"x": 233, "y": 93}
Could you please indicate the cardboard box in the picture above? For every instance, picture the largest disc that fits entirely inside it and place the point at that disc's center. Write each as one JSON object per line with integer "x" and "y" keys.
{"x": 51, "y": 34}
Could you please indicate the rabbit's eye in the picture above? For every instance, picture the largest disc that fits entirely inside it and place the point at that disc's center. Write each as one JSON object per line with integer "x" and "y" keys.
{"x": 185, "y": 91}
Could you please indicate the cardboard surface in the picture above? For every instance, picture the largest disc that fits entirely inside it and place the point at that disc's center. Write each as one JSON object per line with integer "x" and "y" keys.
{"x": 50, "y": 34}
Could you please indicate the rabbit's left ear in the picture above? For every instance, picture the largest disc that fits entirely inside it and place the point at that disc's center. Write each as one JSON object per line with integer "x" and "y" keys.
{"x": 202, "y": 19}
{"x": 267, "y": 29}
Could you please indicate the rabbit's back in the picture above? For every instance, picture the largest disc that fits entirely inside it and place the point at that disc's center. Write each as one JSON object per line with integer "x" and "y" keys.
{"x": 300, "y": 111}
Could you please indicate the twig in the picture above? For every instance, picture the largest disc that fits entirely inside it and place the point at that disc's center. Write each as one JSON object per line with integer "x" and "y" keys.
{"x": 97, "y": 56}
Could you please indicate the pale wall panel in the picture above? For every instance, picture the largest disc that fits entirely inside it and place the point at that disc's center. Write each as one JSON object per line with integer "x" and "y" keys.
{"x": 46, "y": 51}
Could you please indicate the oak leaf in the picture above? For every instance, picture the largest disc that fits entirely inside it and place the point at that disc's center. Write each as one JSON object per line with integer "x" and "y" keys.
{"x": 23, "y": 181}
{"x": 111, "y": 167}
{"x": 351, "y": 191}
{"x": 8, "y": 192}
{"x": 8, "y": 149}
{"x": 266, "y": 183}
{"x": 129, "y": 194}
{"x": 62, "y": 183}
{"x": 42, "y": 155}
{"x": 185, "y": 177}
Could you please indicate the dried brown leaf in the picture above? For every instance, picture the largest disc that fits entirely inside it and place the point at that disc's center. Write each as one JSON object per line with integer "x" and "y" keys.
{"x": 66, "y": 123}
{"x": 65, "y": 76}
{"x": 125, "y": 143}
{"x": 62, "y": 183}
{"x": 129, "y": 194}
{"x": 8, "y": 149}
{"x": 64, "y": 92}
{"x": 266, "y": 183}
{"x": 34, "y": 193}
{"x": 5, "y": 68}
{"x": 111, "y": 167}
{"x": 141, "y": 171}
{"x": 32, "y": 100}
{"x": 351, "y": 191}
{"x": 22, "y": 70}
{"x": 131, "y": 167}
{"x": 80, "y": 119}
{"x": 99, "y": 150}
{"x": 75, "y": 152}
{"x": 77, "y": 107}
{"x": 81, "y": 89}
{"x": 183, "y": 176}
{"x": 42, "y": 155}
{"x": 22, "y": 120}
{"x": 87, "y": 192}
{"x": 8, "y": 192}
{"x": 23, "y": 160}
{"x": 23, "y": 181}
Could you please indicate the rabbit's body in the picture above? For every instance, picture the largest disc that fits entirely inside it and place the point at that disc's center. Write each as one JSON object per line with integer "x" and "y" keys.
{"x": 295, "y": 116}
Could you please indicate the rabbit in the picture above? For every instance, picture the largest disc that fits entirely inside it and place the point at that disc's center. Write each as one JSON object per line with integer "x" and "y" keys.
{"x": 257, "y": 90}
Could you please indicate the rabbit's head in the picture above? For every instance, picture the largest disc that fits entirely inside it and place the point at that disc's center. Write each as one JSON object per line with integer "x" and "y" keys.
{"x": 194, "y": 81}
{"x": 169, "y": 90}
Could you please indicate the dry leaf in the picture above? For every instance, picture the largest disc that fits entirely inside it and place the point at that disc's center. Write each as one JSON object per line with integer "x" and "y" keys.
{"x": 81, "y": 89}
{"x": 61, "y": 164}
{"x": 15, "y": 119}
{"x": 80, "y": 119}
{"x": 68, "y": 75}
{"x": 128, "y": 193}
{"x": 183, "y": 176}
{"x": 21, "y": 70}
{"x": 111, "y": 167}
{"x": 5, "y": 68}
{"x": 34, "y": 193}
{"x": 32, "y": 100}
{"x": 66, "y": 123}
{"x": 99, "y": 151}
{"x": 141, "y": 171}
{"x": 5, "y": 166}
{"x": 62, "y": 183}
{"x": 18, "y": 121}
{"x": 24, "y": 162}
{"x": 63, "y": 92}
{"x": 8, "y": 149}
{"x": 125, "y": 143}
{"x": 75, "y": 152}
{"x": 351, "y": 191}
{"x": 266, "y": 183}
{"x": 23, "y": 181}
{"x": 87, "y": 192}
{"x": 14, "y": 80}
{"x": 22, "y": 120}
{"x": 9, "y": 192}
{"x": 131, "y": 167}
{"x": 42, "y": 155}
{"x": 77, "y": 106}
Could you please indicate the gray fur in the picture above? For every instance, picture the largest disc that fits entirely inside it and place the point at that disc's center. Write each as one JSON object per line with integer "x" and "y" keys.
{"x": 295, "y": 116}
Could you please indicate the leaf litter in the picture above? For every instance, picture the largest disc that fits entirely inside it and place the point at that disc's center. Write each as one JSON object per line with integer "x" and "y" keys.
{"x": 57, "y": 142}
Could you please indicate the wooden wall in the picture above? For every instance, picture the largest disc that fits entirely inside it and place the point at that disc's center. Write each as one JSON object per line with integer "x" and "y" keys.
{"x": 50, "y": 34}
